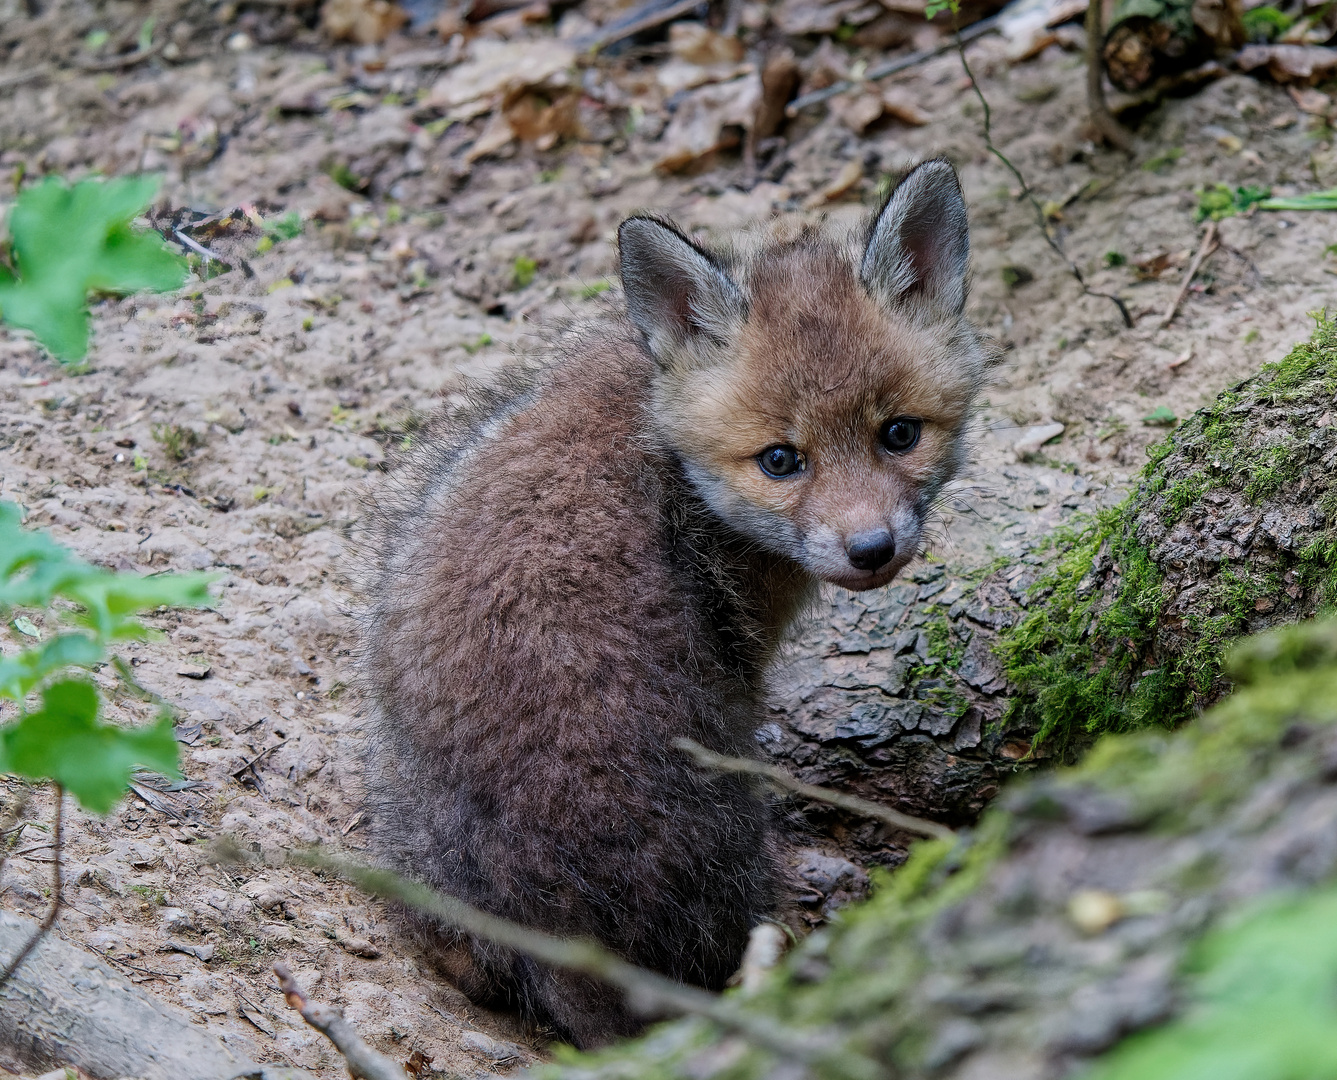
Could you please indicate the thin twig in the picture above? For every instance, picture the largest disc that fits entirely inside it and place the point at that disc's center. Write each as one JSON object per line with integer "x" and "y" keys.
{"x": 645, "y": 18}
{"x": 647, "y": 992}
{"x": 50, "y": 919}
{"x": 1101, "y": 118}
{"x": 124, "y": 60}
{"x": 364, "y": 1063}
{"x": 855, "y": 805}
{"x": 890, "y": 67}
{"x": 1209, "y": 244}
{"x": 20, "y": 78}
{"x": 1050, "y": 239}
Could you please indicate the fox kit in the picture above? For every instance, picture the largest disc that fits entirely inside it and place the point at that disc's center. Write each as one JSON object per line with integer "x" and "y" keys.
{"x": 602, "y": 556}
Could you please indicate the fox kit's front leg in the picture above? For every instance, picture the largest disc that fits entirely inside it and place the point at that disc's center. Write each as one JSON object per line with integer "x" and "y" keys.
{"x": 596, "y": 560}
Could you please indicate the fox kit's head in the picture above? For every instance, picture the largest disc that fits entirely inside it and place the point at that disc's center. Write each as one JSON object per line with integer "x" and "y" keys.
{"x": 817, "y": 387}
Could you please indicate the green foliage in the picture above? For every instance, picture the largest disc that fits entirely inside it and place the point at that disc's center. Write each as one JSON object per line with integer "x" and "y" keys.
{"x": 1163, "y": 161}
{"x": 523, "y": 271}
{"x": 1314, "y": 200}
{"x": 1161, "y": 416}
{"x": 62, "y": 739}
{"x": 1222, "y": 201}
{"x": 937, "y": 7}
{"x": 67, "y": 241}
{"x": 595, "y": 288}
{"x": 1261, "y": 1005}
{"x": 179, "y": 442}
{"x": 1115, "y": 258}
{"x": 287, "y": 227}
{"x": 1266, "y": 23}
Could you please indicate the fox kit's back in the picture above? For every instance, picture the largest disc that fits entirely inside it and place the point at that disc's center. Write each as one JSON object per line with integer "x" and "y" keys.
{"x": 602, "y": 558}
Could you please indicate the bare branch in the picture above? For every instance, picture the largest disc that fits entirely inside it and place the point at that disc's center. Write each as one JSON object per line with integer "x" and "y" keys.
{"x": 776, "y": 775}
{"x": 647, "y": 992}
{"x": 364, "y": 1063}
{"x": 890, "y": 67}
{"x": 50, "y": 919}
{"x": 1050, "y": 239}
{"x": 1209, "y": 244}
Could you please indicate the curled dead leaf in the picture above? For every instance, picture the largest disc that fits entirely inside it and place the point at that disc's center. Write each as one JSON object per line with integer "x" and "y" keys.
{"x": 845, "y": 181}
{"x": 709, "y": 119}
{"x": 501, "y": 67}
{"x": 696, "y": 43}
{"x": 1290, "y": 63}
{"x": 363, "y": 22}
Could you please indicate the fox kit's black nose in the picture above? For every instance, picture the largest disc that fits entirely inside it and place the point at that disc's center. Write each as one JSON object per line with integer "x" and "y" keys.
{"x": 871, "y": 550}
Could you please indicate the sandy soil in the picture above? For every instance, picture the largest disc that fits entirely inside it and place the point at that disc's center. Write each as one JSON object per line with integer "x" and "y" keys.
{"x": 298, "y": 377}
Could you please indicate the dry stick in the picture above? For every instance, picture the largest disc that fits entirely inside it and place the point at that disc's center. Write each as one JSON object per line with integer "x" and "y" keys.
{"x": 881, "y": 71}
{"x": 855, "y": 805}
{"x": 636, "y": 22}
{"x": 364, "y": 1063}
{"x": 1209, "y": 244}
{"x": 1030, "y": 195}
{"x": 1101, "y": 117}
{"x": 646, "y": 991}
{"x": 50, "y": 919}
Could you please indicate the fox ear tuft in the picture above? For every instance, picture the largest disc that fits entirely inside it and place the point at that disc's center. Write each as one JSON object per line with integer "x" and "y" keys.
{"x": 919, "y": 247}
{"x": 675, "y": 291}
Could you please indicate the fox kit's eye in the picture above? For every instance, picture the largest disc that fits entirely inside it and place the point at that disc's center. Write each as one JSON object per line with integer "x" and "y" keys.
{"x": 780, "y": 461}
{"x": 900, "y": 433}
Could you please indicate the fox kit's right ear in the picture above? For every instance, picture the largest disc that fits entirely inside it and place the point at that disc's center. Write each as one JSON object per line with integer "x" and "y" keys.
{"x": 919, "y": 247}
{"x": 675, "y": 292}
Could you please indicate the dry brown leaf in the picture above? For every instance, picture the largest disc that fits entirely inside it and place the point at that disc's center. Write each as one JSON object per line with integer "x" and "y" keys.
{"x": 364, "y": 22}
{"x": 779, "y": 80}
{"x": 857, "y": 111}
{"x": 1221, "y": 21}
{"x": 703, "y": 122}
{"x": 1313, "y": 102}
{"x": 1154, "y": 265}
{"x": 535, "y": 118}
{"x": 499, "y": 67}
{"x": 845, "y": 181}
{"x": 676, "y": 75}
{"x": 800, "y": 17}
{"x": 1290, "y": 63}
{"x": 697, "y": 43}
{"x": 826, "y": 65}
{"x": 899, "y": 103}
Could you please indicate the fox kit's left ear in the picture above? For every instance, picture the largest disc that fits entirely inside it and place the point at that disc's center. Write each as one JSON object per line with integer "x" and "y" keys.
{"x": 676, "y": 293}
{"x": 919, "y": 247}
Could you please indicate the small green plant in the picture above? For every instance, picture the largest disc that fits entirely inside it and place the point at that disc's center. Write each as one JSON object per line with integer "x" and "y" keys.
{"x": 1266, "y": 23}
{"x": 1163, "y": 161}
{"x": 342, "y": 175}
{"x": 523, "y": 271}
{"x": 1115, "y": 258}
{"x": 179, "y": 442}
{"x": 594, "y": 288}
{"x": 1222, "y": 201}
{"x": 481, "y": 342}
{"x": 1161, "y": 416}
{"x": 62, "y": 739}
{"x": 67, "y": 241}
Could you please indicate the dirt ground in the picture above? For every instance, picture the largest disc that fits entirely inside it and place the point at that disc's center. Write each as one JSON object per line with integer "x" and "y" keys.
{"x": 296, "y": 375}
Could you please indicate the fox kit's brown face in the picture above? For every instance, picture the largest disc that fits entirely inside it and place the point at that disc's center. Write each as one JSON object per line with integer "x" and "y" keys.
{"x": 817, "y": 388}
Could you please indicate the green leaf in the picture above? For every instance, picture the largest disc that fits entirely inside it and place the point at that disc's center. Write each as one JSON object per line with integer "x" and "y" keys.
{"x": 1161, "y": 416}
{"x": 64, "y": 742}
{"x": 34, "y": 570}
{"x": 68, "y": 240}
{"x": 20, "y": 674}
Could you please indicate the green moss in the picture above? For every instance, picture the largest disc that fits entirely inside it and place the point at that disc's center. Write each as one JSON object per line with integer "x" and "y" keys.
{"x": 1090, "y": 660}
{"x": 862, "y": 984}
